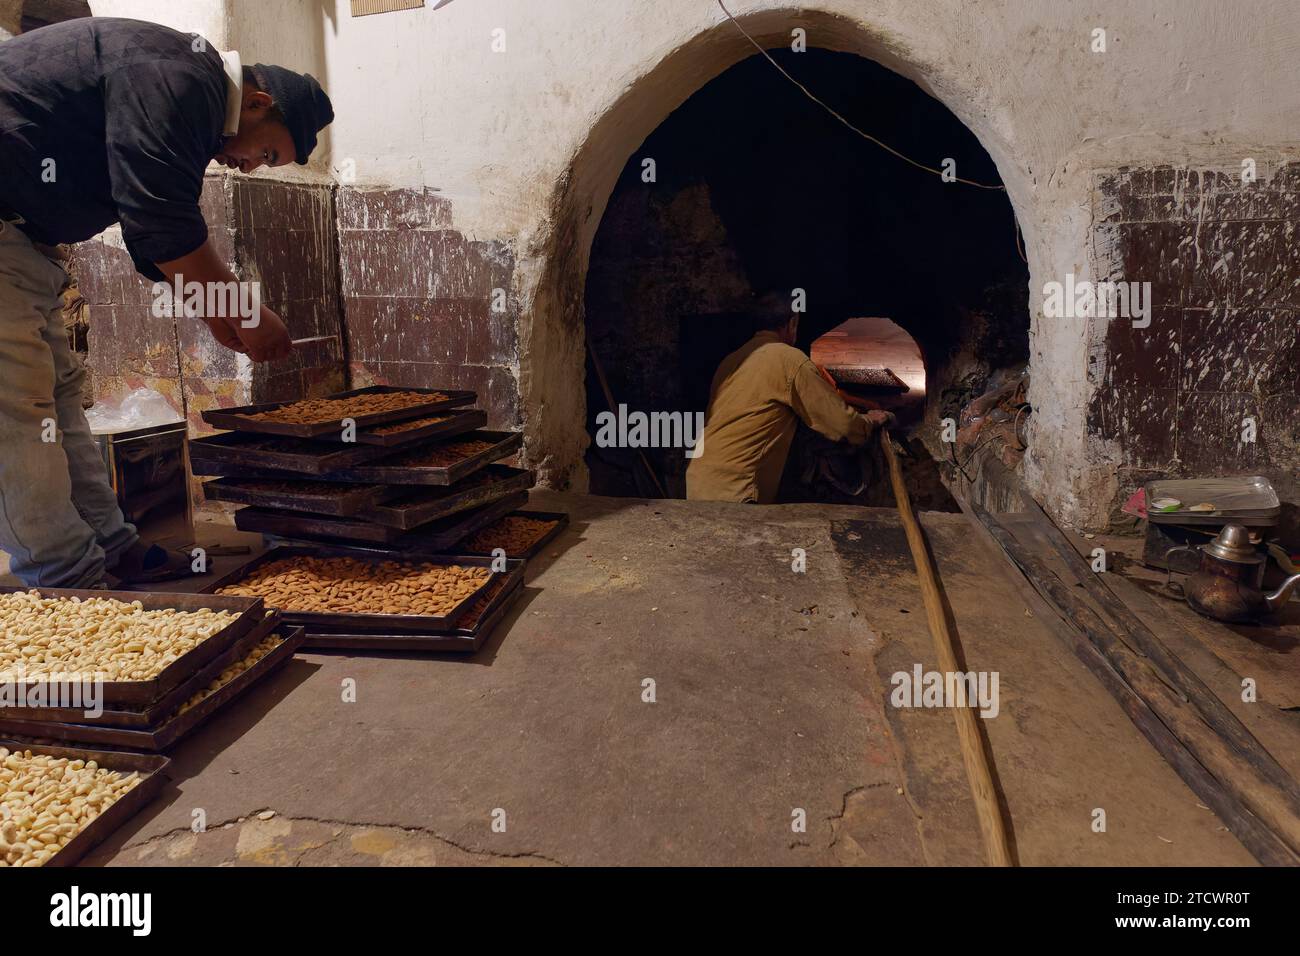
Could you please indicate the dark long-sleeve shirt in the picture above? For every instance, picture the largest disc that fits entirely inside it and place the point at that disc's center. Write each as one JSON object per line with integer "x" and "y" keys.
{"x": 106, "y": 120}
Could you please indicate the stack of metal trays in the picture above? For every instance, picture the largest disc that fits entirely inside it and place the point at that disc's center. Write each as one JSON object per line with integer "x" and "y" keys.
{"x": 415, "y": 478}
{"x": 1249, "y": 501}
{"x": 153, "y": 715}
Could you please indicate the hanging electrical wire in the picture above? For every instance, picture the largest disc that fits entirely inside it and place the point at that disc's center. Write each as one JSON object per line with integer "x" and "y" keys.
{"x": 867, "y": 136}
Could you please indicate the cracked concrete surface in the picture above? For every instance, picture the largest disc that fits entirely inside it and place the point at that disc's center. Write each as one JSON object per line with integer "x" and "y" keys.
{"x": 770, "y": 690}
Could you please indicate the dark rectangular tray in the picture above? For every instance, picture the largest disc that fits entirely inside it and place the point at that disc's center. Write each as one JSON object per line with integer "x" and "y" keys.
{"x": 353, "y": 500}
{"x": 151, "y": 768}
{"x": 414, "y": 508}
{"x": 382, "y": 472}
{"x": 136, "y": 693}
{"x": 174, "y": 726}
{"x": 459, "y": 639}
{"x": 461, "y": 421}
{"x": 438, "y": 536}
{"x": 315, "y": 458}
{"x": 236, "y": 419}
{"x": 560, "y": 518}
{"x": 396, "y": 622}
{"x": 151, "y": 714}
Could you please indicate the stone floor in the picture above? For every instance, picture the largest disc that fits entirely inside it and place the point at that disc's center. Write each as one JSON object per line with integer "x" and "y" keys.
{"x": 770, "y": 706}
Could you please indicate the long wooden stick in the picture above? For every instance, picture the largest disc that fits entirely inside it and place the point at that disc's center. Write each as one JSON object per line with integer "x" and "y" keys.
{"x": 968, "y": 733}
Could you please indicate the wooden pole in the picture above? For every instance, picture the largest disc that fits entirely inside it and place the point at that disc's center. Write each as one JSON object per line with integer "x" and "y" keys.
{"x": 968, "y": 733}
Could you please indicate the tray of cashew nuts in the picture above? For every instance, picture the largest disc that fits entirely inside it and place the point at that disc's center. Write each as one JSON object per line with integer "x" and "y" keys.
{"x": 334, "y": 588}
{"x": 87, "y": 795}
{"x": 133, "y": 646}
{"x": 222, "y": 681}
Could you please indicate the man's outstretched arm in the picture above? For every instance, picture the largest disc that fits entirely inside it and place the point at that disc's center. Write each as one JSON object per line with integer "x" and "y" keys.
{"x": 821, "y": 409}
{"x": 266, "y": 341}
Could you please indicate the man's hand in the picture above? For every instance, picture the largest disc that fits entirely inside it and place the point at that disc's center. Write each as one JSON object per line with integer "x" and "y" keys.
{"x": 268, "y": 341}
{"x": 223, "y": 333}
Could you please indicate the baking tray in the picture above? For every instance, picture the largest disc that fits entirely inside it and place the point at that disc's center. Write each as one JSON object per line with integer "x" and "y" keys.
{"x": 460, "y": 422}
{"x": 414, "y": 508}
{"x": 151, "y": 768}
{"x": 236, "y": 419}
{"x": 330, "y": 621}
{"x": 138, "y": 693}
{"x": 295, "y": 455}
{"x": 561, "y": 519}
{"x": 383, "y": 472}
{"x": 437, "y": 536}
{"x": 1245, "y": 500}
{"x": 354, "y": 498}
{"x": 175, "y": 726}
{"x": 459, "y": 639}
{"x": 151, "y": 714}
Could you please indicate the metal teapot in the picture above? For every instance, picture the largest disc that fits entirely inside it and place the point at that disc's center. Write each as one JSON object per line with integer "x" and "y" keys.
{"x": 1228, "y": 585}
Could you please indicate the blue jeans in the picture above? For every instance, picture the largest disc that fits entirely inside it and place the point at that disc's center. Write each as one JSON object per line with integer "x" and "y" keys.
{"x": 60, "y": 522}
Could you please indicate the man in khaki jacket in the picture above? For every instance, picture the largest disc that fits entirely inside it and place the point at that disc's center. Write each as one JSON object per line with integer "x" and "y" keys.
{"x": 759, "y": 393}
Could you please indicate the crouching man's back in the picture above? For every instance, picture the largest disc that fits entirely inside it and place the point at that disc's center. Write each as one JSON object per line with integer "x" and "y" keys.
{"x": 759, "y": 395}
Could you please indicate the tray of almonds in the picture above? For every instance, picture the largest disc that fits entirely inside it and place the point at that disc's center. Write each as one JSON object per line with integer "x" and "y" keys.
{"x": 332, "y": 589}
{"x": 440, "y": 464}
{"x": 521, "y": 534}
{"x": 359, "y": 408}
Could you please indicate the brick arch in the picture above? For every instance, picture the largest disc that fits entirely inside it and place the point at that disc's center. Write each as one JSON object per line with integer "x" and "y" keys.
{"x": 552, "y": 337}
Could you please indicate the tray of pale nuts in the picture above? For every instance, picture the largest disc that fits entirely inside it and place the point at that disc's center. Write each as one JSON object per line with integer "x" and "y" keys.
{"x": 133, "y": 647}
{"x": 21, "y": 719}
{"x": 333, "y": 589}
{"x": 222, "y": 681}
{"x": 521, "y": 534}
{"x": 440, "y": 464}
{"x": 467, "y": 636}
{"x": 57, "y": 803}
{"x": 326, "y": 417}
{"x": 339, "y": 499}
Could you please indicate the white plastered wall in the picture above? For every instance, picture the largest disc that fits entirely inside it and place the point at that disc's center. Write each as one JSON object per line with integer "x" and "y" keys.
{"x": 526, "y": 143}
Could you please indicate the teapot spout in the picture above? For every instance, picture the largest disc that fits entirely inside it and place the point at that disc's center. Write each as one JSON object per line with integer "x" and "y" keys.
{"x": 1277, "y": 600}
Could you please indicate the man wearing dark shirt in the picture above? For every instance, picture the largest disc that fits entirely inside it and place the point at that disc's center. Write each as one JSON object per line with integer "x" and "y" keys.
{"x": 107, "y": 121}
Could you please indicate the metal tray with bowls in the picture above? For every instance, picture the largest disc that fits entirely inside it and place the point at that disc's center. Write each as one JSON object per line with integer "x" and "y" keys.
{"x": 245, "y": 450}
{"x": 238, "y": 418}
{"x": 170, "y": 726}
{"x": 334, "y": 621}
{"x": 463, "y": 639}
{"x": 458, "y": 422}
{"x": 148, "y": 715}
{"x": 561, "y": 522}
{"x": 437, "y": 536}
{"x": 251, "y": 612}
{"x": 351, "y": 498}
{"x": 1248, "y": 500}
{"x": 414, "y": 508}
{"x": 387, "y": 471}
{"x": 152, "y": 770}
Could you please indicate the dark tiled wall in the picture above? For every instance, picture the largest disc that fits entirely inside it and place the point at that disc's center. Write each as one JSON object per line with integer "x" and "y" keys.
{"x": 1223, "y": 258}
{"x": 418, "y": 299}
